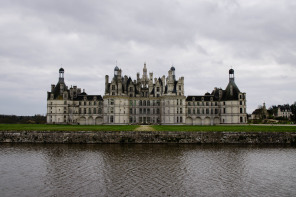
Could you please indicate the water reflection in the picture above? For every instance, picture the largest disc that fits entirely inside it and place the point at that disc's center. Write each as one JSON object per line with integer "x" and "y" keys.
{"x": 146, "y": 170}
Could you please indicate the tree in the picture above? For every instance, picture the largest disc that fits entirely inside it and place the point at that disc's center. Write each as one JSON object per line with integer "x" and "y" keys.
{"x": 293, "y": 110}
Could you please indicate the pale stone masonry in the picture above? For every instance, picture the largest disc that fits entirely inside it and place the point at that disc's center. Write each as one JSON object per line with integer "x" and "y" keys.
{"x": 146, "y": 100}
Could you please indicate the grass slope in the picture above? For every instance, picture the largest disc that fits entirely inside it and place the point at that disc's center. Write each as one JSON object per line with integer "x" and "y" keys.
{"x": 217, "y": 128}
{"x": 45, "y": 127}
{"x": 220, "y": 128}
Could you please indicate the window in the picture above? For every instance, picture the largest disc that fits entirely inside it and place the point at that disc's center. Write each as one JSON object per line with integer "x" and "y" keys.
{"x": 95, "y": 110}
{"x": 131, "y": 89}
{"x": 65, "y": 102}
{"x": 189, "y": 111}
{"x": 100, "y": 110}
{"x": 111, "y": 119}
{"x": 181, "y": 120}
{"x": 113, "y": 87}
{"x": 241, "y": 110}
{"x": 181, "y": 111}
{"x": 157, "y": 89}
{"x": 112, "y": 102}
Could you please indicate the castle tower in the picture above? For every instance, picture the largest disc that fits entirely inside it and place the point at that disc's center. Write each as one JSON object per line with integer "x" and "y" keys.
{"x": 231, "y": 75}
{"x": 116, "y": 69}
{"x": 173, "y": 72}
{"x": 61, "y": 75}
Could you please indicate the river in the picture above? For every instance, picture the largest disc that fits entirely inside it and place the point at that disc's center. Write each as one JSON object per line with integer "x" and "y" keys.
{"x": 146, "y": 170}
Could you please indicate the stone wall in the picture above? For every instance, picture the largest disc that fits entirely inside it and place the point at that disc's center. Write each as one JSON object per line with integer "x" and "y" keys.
{"x": 148, "y": 137}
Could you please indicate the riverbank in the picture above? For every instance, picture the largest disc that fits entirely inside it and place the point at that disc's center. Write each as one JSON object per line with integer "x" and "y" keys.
{"x": 196, "y": 137}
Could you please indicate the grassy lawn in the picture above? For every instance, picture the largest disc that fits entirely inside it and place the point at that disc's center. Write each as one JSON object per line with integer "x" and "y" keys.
{"x": 45, "y": 127}
{"x": 242, "y": 128}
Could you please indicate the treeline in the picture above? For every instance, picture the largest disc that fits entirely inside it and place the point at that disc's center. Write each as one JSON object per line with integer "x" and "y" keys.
{"x": 13, "y": 119}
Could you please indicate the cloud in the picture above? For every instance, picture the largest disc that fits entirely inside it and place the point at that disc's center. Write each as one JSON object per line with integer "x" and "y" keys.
{"x": 202, "y": 39}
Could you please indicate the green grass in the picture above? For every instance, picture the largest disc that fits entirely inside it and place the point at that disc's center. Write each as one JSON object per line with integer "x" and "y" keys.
{"x": 218, "y": 128}
{"x": 45, "y": 127}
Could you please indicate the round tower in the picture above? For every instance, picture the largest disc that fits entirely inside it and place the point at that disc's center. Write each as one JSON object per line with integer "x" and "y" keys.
{"x": 61, "y": 75}
{"x": 173, "y": 72}
{"x": 231, "y": 75}
{"x": 116, "y": 69}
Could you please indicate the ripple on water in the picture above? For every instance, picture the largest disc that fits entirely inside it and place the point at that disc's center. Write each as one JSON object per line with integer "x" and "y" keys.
{"x": 146, "y": 170}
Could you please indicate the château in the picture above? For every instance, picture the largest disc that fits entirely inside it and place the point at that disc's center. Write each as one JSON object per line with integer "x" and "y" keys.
{"x": 145, "y": 100}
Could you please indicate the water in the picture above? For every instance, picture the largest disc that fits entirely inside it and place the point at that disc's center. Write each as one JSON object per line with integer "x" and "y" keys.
{"x": 146, "y": 170}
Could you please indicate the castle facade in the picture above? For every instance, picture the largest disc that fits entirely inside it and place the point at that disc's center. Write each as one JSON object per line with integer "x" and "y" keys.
{"x": 145, "y": 100}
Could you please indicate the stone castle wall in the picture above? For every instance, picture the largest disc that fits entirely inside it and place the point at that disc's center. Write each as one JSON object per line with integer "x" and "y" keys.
{"x": 93, "y": 137}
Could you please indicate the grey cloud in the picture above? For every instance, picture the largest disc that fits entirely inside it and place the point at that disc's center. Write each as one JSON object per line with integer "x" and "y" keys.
{"x": 203, "y": 39}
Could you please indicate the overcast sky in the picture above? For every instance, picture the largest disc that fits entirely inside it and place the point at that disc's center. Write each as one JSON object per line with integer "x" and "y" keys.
{"x": 203, "y": 39}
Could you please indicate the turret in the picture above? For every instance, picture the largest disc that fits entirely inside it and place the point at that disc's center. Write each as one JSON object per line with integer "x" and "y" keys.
{"x": 106, "y": 84}
{"x": 173, "y": 72}
{"x": 61, "y": 75}
{"x": 116, "y": 69}
{"x": 231, "y": 75}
